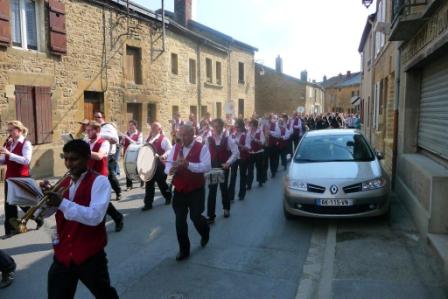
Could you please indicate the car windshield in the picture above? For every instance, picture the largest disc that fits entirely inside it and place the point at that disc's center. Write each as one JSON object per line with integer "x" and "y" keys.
{"x": 334, "y": 148}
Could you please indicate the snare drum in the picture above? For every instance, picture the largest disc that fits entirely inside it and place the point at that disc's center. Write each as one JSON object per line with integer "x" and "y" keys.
{"x": 215, "y": 176}
{"x": 140, "y": 162}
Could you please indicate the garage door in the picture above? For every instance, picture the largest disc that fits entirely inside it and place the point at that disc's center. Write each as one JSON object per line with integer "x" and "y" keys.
{"x": 433, "y": 118}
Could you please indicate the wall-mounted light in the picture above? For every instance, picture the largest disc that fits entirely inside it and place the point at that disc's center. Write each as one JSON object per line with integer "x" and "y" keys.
{"x": 367, "y": 3}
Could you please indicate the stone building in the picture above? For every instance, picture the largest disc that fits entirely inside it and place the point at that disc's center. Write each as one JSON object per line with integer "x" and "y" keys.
{"x": 276, "y": 91}
{"x": 339, "y": 92}
{"x": 87, "y": 55}
{"x": 314, "y": 98}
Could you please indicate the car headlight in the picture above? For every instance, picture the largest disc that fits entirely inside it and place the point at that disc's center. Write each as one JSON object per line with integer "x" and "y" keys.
{"x": 373, "y": 184}
{"x": 296, "y": 184}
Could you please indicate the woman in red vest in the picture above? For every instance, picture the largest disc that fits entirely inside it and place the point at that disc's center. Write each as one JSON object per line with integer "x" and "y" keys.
{"x": 80, "y": 236}
{"x": 241, "y": 140}
{"x": 133, "y": 136}
{"x": 16, "y": 154}
{"x": 256, "y": 152}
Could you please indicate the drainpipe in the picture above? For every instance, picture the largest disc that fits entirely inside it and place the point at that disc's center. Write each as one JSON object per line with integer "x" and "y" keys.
{"x": 396, "y": 114}
{"x": 229, "y": 79}
{"x": 199, "y": 81}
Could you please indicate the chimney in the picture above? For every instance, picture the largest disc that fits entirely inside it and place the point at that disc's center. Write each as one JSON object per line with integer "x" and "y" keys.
{"x": 349, "y": 74}
{"x": 325, "y": 78}
{"x": 304, "y": 75}
{"x": 183, "y": 11}
{"x": 279, "y": 64}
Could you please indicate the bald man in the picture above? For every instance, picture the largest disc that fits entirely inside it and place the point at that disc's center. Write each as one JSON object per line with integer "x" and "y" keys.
{"x": 162, "y": 147}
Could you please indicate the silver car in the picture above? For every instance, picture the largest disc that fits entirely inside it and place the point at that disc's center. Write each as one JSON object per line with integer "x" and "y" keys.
{"x": 335, "y": 174}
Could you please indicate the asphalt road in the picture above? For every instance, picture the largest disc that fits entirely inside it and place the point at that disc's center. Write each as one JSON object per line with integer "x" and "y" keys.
{"x": 255, "y": 253}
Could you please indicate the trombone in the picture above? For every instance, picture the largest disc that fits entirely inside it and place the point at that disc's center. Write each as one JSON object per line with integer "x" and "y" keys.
{"x": 20, "y": 224}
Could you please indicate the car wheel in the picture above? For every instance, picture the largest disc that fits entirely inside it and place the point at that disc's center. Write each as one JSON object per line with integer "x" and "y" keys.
{"x": 287, "y": 215}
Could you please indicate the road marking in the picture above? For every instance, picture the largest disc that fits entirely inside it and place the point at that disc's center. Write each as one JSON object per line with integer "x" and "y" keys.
{"x": 317, "y": 273}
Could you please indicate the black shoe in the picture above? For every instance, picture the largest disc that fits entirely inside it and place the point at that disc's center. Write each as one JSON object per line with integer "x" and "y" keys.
{"x": 260, "y": 184}
{"x": 118, "y": 197}
{"x": 168, "y": 199}
{"x": 182, "y": 256}
{"x": 7, "y": 278}
{"x": 249, "y": 188}
{"x": 211, "y": 220}
{"x": 204, "y": 241}
{"x": 146, "y": 208}
{"x": 241, "y": 198}
{"x": 273, "y": 175}
{"x": 226, "y": 213}
{"x": 9, "y": 235}
{"x": 119, "y": 226}
{"x": 39, "y": 222}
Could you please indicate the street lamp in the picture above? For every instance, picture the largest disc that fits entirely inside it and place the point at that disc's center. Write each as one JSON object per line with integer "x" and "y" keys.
{"x": 367, "y": 3}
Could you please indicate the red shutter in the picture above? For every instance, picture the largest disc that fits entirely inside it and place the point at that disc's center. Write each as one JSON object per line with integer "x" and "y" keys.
{"x": 5, "y": 28}
{"x": 44, "y": 123}
{"x": 58, "y": 38}
{"x": 25, "y": 110}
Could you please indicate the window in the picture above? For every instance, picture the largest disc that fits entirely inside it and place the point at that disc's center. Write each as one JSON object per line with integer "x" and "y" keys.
{"x": 151, "y": 116}
{"x": 93, "y": 101}
{"x": 174, "y": 64}
{"x": 380, "y": 37}
{"x": 241, "y": 73}
{"x": 203, "y": 110}
{"x": 174, "y": 111}
{"x": 133, "y": 65}
{"x": 208, "y": 70}
{"x": 353, "y": 93}
{"x": 194, "y": 110}
{"x": 33, "y": 108}
{"x": 241, "y": 108}
{"x": 218, "y": 73}
{"x": 24, "y": 24}
{"x": 192, "y": 70}
{"x": 218, "y": 110}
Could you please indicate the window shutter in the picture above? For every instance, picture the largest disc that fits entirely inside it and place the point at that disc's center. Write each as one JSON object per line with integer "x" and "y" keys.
{"x": 25, "y": 110}
{"x": 58, "y": 38}
{"x": 5, "y": 28}
{"x": 44, "y": 124}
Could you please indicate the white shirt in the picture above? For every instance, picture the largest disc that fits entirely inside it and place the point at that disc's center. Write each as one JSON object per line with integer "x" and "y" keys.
{"x": 166, "y": 144}
{"x": 288, "y": 133}
{"x": 139, "y": 139}
{"x": 251, "y": 137}
{"x": 246, "y": 140}
{"x": 105, "y": 146}
{"x": 230, "y": 145}
{"x": 204, "y": 164}
{"x": 276, "y": 132}
{"x": 27, "y": 151}
{"x": 93, "y": 214}
{"x": 108, "y": 131}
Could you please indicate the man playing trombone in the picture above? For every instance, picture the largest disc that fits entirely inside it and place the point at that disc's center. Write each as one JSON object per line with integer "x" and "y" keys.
{"x": 80, "y": 228}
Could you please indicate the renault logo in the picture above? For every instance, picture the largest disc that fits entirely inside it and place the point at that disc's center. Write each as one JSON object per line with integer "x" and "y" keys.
{"x": 334, "y": 189}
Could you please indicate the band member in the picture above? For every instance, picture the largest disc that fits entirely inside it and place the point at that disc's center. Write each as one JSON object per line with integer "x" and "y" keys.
{"x": 100, "y": 149}
{"x": 223, "y": 152}
{"x": 242, "y": 140}
{"x": 298, "y": 126}
{"x": 265, "y": 127}
{"x": 16, "y": 154}
{"x": 81, "y": 134}
{"x": 283, "y": 139}
{"x": 205, "y": 132}
{"x": 110, "y": 133}
{"x": 194, "y": 122}
{"x": 80, "y": 229}
{"x": 274, "y": 134}
{"x": 176, "y": 123}
{"x": 133, "y": 136}
{"x": 256, "y": 159}
{"x": 8, "y": 268}
{"x": 162, "y": 147}
{"x": 187, "y": 162}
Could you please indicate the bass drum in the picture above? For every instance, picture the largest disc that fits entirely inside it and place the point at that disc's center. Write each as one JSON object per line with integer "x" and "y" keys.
{"x": 140, "y": 162}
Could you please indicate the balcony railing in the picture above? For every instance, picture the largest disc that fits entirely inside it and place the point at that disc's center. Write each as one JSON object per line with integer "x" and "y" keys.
{"x": 405, "y": 8}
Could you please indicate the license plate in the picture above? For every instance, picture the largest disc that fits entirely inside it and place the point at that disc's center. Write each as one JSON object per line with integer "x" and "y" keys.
{"x": 334, "y": 202}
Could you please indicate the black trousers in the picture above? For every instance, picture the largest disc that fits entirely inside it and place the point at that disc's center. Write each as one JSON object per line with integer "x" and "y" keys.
{"x": 242, "y": 166}
{"x": 93, "y": 273}
{"x": 113, "y": 213}
{"x": 283, "y": 153}
{"x": 112, "y": 166}
{"x": 273, "y": 159}
{"x": 232, "y": 182}
{"x": 7, "y": 263}
{"x": 194, "y": 202}
{"x": 295, "y": 139}
{"x": 160, "y": 178}
{"x": 256, "y": 161}
{"x": 212, "y": 190}
{"x": 10, "y": 212}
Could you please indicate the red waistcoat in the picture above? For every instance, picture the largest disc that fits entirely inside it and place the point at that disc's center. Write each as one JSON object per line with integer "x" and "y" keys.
{"x": 134, "y": 137}
{"x": 219, "y": 153}
{"x": 281, "y": 143}
{"x": 158, "y": 145}
{"x": 272, "y": 140}
{"x": 78, "y": 242}
{"x": 244, "y": 153}
{"x": 255, "y": 146}
{"x": 99, "y": 166}
{"x": 184, "y": 180}
{"x": 14, "y": 169}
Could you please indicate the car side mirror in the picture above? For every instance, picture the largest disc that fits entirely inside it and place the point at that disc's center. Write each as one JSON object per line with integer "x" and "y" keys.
{"x": 380, "y": 155}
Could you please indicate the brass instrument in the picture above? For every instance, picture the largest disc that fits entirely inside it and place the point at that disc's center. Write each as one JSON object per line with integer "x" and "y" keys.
{"x": 20, "y": 224}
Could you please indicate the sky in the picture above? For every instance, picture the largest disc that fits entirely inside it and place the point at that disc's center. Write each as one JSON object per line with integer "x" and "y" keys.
{"x": 320, "y": 36}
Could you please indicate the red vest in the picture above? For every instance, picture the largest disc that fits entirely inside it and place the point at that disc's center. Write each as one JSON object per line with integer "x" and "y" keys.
{"x": 158, "y": 145}
{"x": 219, "y": 154}
{"x": 99, "y": 166}
{"x": 255, "y": 146}
{"x": 272, "y": 140}
{"x": 78, "y": 242}
{"x": 244, "y": 153}
{"x": 281, "y": 143}
{"x": 14, "y": 169}
{"x": 184, "y": 180}
{"x": 134, "y": 137}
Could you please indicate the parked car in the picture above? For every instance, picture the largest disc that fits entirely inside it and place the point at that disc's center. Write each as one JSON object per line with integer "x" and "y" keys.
{"x": 335, "y": 174}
